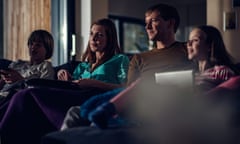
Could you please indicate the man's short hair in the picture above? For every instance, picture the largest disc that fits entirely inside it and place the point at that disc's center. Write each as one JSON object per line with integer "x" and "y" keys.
{"x": 167, "y": 12}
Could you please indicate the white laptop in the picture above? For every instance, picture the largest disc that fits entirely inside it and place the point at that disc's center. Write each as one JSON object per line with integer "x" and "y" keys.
{"x": 180, "y": 79}
{"x": 173, "y": 90}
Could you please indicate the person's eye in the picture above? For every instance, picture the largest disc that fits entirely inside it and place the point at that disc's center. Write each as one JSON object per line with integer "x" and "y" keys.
{"x": 100, "y": 35}
{"x": 195, "y": 40}
{"x": 155, "y": 20}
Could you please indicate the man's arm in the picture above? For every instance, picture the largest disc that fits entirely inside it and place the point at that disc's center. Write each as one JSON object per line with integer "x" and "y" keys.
{"x": 133, "y": 69}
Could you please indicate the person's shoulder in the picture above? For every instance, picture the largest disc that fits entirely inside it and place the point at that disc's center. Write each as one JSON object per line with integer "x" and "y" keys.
{"x": 120, "y": 57}
{"x": 146, "y": 54}
{"x": 18, "y": 63}
{"x": 83, "y": 65}
{"x": 142, "y": 54}
{"x": 139, "y": 57}
{"x": 180, "y": 47}
{"x": 46, "y": 65}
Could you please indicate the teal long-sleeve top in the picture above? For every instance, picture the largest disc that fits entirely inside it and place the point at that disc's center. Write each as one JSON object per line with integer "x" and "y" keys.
{"x": 112, "y": 71}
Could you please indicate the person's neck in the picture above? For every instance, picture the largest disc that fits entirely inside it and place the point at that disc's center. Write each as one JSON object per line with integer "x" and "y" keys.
{"x": 203, "y": 65}
{"x": 166, "y": 43}
{"x": 35, "y": 62}
{"x": 99, "y": 56}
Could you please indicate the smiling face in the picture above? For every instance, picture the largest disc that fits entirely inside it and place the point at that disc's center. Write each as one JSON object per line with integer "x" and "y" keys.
{"x": 98, "y": 38}
{"x": 156, "y": 26}
{"x": 197, "y": 47}
{"x": 37, "y": 52}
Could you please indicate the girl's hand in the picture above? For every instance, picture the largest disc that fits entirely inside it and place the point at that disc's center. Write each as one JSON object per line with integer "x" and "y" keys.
{"x": 64, "y": 75}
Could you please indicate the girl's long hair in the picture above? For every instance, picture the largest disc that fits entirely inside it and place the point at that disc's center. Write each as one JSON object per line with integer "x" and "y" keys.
{"x": 218, "y": 54}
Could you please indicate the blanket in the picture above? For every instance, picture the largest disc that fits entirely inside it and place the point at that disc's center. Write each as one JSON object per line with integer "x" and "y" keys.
{"x": 34, "y": 112}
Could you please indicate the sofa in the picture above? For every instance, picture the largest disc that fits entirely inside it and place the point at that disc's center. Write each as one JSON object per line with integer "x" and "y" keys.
{"x": 199, "y": 130}
{"x": 166, "y": 131}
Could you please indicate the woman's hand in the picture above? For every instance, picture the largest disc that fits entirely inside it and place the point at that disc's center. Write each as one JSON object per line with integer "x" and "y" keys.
{"x": 11, "y": 76}
{"x": 64, "y": 75}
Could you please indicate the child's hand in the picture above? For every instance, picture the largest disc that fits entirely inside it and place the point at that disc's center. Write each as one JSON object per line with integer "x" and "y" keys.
{"x": 10, "y": 76}
{"x": 64, "y": 75}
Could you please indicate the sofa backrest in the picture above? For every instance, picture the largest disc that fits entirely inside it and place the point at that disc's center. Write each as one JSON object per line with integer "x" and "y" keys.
{"x": 69, "y": 66}
{"x": 4, "y": 63}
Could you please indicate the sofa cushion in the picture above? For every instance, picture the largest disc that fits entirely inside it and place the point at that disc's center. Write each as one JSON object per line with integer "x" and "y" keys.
{"x": 92, "y": 135}
{"x": 4, "y": 63}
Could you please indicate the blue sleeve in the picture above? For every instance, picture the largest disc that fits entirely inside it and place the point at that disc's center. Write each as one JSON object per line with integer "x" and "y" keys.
{"x": 97, "y": 100}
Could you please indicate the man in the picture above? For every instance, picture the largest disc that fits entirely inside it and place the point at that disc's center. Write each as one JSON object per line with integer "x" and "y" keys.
{"x": 162, "y": 22}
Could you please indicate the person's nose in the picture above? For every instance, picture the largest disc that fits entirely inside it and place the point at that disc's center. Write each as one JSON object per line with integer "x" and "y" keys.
{"x": 148, "y": 26}
{"x": 94, "y": 38}
{"x": 189, "y": 43}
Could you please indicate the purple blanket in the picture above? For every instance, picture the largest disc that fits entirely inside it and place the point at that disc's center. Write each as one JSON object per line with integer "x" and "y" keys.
{"x": 34, "y": 112}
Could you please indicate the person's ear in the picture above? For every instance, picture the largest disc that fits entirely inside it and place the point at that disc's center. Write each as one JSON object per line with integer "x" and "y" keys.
{"x": 171, "y": 23}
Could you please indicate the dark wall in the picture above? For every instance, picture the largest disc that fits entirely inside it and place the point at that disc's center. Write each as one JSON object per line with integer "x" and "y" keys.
{"x": 1, "y": 29}
{"x": 192, "y": 12}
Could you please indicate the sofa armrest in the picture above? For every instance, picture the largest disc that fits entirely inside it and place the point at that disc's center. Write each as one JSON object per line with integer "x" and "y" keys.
{"x": 92, "y": 135}
{"x": 227, "y": 88}
{"x": 37, "y": 82}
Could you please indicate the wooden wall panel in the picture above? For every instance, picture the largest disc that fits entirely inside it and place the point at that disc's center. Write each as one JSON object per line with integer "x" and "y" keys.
{"x": 21, "y": 17}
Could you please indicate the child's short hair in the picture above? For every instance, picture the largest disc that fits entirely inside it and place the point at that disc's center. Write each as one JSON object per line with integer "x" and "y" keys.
{"x": 44, "y": 37}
